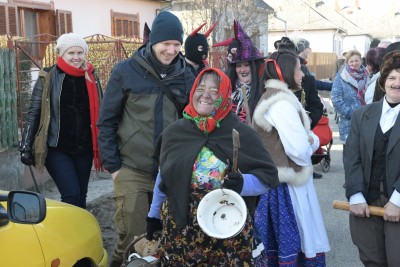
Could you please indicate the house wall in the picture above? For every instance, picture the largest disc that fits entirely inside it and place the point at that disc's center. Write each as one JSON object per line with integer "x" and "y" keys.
{"x": 93, "y": 16}
{"x": 360, "y": 43}
{"x": 218, "y": 32}
{"x": 320, "y": 40}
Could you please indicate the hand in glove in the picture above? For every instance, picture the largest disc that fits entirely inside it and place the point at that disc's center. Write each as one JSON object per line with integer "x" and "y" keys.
{"x": 27, "y": 158}
{"x": 234, "y": 181}
{"x": 153, "y": 224}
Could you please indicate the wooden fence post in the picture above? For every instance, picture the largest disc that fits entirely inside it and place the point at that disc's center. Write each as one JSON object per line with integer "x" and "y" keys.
{"x": 2, "y": 119}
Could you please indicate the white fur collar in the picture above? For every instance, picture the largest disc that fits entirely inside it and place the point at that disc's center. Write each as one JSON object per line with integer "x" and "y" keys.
{"x": 289, "y": 176}
{"x": 265, "y": 104}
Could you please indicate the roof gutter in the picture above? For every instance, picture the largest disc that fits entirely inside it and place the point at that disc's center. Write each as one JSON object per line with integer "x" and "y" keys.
{"x": 168, "y": 7}
{"x": 283, "y": 21}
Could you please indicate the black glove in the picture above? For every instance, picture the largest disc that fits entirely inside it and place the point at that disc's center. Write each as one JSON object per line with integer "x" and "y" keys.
{"x": 27, "y": 158}
{"x": 234, "y": 181}
{"x": 153, "y": 224}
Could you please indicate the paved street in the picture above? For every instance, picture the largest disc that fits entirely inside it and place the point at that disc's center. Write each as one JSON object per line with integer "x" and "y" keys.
{"x": 343, "y": 253}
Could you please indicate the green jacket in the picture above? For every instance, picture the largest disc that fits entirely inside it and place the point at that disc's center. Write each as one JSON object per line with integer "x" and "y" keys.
{"x": 135, "y": 111}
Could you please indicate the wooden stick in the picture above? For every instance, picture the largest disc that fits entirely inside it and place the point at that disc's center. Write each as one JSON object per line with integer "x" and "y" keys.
{"x": 236, "y": 146}
{"x": 341, "y": 205}
{"x": 246, "y": 105}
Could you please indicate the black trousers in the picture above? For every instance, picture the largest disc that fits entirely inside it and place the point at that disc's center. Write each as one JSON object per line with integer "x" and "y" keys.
{"x": 71, "y": 174}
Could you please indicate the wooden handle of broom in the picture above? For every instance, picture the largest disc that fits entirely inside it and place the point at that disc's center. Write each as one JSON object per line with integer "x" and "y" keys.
{"x": 341, "y": 205}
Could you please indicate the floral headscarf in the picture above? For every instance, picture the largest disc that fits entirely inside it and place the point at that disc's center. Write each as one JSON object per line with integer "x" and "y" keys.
{"x": 222, "y": 106}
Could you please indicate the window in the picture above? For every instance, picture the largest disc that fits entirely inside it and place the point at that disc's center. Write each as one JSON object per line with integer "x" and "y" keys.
{"x": 255, "y": 38}
{"x": 26, "y": 18}
{"x": 124, "y": 24}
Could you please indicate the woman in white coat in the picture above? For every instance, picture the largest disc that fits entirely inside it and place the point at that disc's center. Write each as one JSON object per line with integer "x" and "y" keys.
{"x": 289, "y": 217}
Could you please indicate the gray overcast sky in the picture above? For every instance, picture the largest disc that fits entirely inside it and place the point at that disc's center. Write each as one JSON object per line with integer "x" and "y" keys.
{"x": 370, "y": 6}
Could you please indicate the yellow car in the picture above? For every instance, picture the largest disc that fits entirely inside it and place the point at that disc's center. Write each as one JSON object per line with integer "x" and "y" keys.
{"x": 35, "y": 231}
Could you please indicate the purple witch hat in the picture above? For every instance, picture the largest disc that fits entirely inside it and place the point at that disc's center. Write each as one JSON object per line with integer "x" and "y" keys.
{"x": 246, "y": 50}
{"x": 146, "y": 34}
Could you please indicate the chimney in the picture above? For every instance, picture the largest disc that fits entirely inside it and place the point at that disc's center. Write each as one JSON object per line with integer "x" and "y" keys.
{"x": 337, "y": 7}
{"x": 357, "y": 2}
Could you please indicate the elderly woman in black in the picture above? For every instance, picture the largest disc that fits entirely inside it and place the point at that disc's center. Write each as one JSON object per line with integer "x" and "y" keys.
{"x": 60, "y": 131}
{"x": 192, "y": 154}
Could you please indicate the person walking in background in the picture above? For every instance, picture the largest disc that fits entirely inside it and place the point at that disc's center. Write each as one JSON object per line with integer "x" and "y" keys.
{"x": 193, "y": 153}
{"x": 373, "y": 59}
{"x": 338, "y": 65}
{"x": 288, "y": 218}
{"x": 303, "y": 49}
{"x": 348, "y": 92}
{"x": 384, "y": 44}
{"x": 60, "y": 132}
{"x": 372, "y": 171}
{"x": 144, "y": 94}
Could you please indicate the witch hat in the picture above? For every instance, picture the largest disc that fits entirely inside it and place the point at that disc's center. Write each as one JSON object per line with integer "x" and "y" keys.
{"x": 246, "y": 50}
{"x": 146, "y": 34}
{"x": 192, "y": 43}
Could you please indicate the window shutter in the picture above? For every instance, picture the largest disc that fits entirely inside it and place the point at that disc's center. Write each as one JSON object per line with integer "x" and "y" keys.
{"x": 8, "y": 19}
{"x": 64, "y": 22}
{"x": 124, "y": 24}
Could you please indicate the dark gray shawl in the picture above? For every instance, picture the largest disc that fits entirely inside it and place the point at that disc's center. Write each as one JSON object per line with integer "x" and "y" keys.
{"x": 181, "y": 142}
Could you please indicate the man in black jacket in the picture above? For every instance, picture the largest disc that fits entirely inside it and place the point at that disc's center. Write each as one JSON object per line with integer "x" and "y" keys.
{"x": 144, "y": 94}
{"x": 312, "y": 101}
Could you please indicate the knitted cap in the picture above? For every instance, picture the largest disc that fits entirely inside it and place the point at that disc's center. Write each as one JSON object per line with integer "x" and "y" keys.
{"x": 166, "y": 26}
{"x": 69, "y": 40}
{"x": 302, "y": 45}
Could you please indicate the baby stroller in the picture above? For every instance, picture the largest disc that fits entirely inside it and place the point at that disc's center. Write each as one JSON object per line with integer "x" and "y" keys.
{"x": 324, "y": 133}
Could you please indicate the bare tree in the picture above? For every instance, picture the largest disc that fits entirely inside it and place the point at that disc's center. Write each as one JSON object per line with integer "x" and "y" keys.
{"x": 251, "y": 14}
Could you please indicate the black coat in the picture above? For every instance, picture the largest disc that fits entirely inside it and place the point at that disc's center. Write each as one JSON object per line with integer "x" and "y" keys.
{"x": 33, "y": 119}
{"x": 179, "y": 145}
{"x": 313, "y": 102}
{"x": 360, "y": 150}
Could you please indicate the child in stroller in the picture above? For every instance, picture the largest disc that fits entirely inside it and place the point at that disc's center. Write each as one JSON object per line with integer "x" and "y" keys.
{"x": 324, "y": 132}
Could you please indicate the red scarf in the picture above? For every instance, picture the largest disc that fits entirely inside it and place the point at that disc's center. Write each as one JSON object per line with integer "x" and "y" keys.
{"x": 93, "y": 103}
{"x": 222, "y": 106}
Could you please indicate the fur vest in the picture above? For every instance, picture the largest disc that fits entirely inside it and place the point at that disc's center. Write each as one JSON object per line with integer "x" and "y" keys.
{"x": 288, "y": 171}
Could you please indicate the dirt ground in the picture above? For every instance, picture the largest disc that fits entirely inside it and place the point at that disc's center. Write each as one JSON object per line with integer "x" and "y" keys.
{"x": 103, "y": 208}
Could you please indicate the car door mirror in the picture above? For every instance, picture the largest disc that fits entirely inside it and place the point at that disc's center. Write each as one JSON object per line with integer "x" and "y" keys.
{"x": 26, "y": 207}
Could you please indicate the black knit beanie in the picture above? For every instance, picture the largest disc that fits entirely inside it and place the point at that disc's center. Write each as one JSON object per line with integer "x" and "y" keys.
{"x": 166, "y": 26}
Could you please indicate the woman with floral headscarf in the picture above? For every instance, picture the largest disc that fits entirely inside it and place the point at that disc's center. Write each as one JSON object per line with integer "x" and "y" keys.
{"x": 192, "y": 154}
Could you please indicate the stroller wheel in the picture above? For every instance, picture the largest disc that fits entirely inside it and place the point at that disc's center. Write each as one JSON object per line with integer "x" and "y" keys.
{"x": 325, "y": 165}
